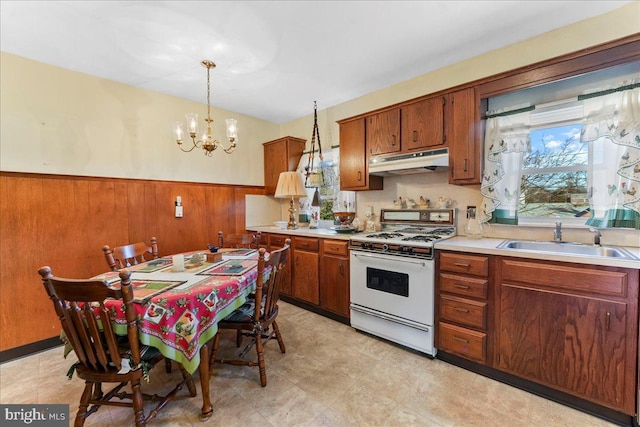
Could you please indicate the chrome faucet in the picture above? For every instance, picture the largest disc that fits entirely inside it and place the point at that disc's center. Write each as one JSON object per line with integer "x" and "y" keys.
{"x": 596, "y": 236}
{"x": 557, "y": 232}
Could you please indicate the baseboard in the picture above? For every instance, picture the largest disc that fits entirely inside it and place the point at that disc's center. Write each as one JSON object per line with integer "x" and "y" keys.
{"x": 29, "y": 349}
{"x": 315, "y": 309}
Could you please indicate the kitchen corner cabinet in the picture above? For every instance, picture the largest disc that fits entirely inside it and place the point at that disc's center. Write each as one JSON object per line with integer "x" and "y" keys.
{"x": 463, "y": 308}
{"x": 571, "y": 327}
{"x": 334, "y": 276}
{"x": 277, "y": 241}
{"x": 305, "y": 283}
{"x": 464, "y": 137}
{"x": 422, "y": 124}
{"x": 280, "y": 155}
{"x": 354, "y": 160}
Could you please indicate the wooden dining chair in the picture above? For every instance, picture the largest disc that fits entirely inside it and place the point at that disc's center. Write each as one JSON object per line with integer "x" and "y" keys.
{"x": 103, "y": 356}
{"x": 239, "y": 240}
{"x": 258, "y": 320}
{"x": 132, "y": 254}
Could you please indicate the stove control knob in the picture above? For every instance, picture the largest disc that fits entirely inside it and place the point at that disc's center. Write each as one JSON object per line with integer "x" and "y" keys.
{"x": 385, "y": 247}
{"x": 410, "y": 250}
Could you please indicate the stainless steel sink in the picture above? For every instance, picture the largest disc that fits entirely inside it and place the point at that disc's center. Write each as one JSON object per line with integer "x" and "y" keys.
{"x": 570, "y": 248}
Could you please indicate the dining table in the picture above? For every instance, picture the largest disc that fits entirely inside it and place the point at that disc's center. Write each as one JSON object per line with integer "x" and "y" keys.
{"x": 179, "y": 305}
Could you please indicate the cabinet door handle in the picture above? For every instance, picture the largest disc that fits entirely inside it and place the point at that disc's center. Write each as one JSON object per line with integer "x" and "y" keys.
{"x": 461, "y": 340}
{"x": 359, "y": 176}
{"x": 465, "y": 165}
{"x": 460, "y": 310}
{"x": 393, "y": 140}
{"x": 460, "y": 264}
{"x": 341, "y": 269}
{"x": 461, "y": 286}
{"x": 608, "y": 322}
{"x": 415, "y": 136}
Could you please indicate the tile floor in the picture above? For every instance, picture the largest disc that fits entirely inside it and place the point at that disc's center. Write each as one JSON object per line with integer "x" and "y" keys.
{"x": 330, "y": 376}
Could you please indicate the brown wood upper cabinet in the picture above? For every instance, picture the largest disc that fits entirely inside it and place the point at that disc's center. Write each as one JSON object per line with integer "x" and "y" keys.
{"x": 354, "y": 158}
{"x": 412, "y": 127}
{"x": 464, "y": 137}
{"x": 422, "y": 124}
{"x": 383, "y": 132}
{"x": 280, "y": 155}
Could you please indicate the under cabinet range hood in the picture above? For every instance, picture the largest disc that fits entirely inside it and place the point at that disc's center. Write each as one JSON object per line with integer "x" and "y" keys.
{"x": 404, "y": 164}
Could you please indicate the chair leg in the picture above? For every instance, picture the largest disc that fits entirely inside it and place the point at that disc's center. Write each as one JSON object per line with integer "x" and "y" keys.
{"x": 261, "y": 364}
{"x": 216, "y": 344}
{"x": 238, "y": 337}
{"x": 84, "y": 404}
{"x": 279, "y": 337}
{"x": 138, "y": 403}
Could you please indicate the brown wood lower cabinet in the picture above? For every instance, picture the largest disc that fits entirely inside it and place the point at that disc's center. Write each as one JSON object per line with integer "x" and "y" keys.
{"x": 334, "y": 285}
{"x": 305, "y": 283}
{"x": 318, "y": 274}
{"x": 463, "y": 306}
{"x": 568, "y": 327}
{"x": 573, "y": 328}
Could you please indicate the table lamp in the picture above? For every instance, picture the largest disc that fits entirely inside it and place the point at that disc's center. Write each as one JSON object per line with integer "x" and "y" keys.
{"x": 291, "y": 184}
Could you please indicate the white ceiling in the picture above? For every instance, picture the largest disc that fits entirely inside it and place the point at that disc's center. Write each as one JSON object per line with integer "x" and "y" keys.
{"x": 274, "y": 58}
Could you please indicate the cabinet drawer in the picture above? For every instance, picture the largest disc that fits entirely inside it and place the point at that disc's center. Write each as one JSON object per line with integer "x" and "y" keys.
{"x": 277, "y": 241}
{"x": 460, "y": 310}
{"x": 462, "y": 263}
{"x": 463, "y": 342}
{"x": 593, "y": 280}
{"x": 461, "y": 285}
{"x": 335, "y": 247}
{"x": 305, "y": 244}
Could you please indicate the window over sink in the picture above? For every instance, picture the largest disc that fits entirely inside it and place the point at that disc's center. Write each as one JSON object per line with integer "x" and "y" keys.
{"x": 575, "y": 158}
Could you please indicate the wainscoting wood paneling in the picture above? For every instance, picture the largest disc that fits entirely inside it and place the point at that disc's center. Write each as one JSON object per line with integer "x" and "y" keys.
{"x": 63, "y": 222}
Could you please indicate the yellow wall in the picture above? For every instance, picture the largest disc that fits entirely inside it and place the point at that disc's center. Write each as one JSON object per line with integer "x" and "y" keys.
{"x": 56, "y": 121}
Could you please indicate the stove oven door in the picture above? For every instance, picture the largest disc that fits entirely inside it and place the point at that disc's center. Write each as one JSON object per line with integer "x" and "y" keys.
{"x": 394, "y": 285}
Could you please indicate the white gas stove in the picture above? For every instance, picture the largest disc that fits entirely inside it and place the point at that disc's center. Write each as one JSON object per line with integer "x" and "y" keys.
{"x": 392, "y": 276}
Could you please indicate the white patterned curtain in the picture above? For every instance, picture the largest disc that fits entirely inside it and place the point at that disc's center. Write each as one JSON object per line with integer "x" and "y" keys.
{"x": 612, "y": 127}
{"x": 506, "y": 138}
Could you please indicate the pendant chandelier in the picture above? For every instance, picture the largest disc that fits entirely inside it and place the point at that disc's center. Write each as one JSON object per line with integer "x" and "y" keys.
{"x": 206, "y": 141}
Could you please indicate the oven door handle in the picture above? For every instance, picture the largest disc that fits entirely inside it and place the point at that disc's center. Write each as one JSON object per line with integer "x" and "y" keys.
{"x": 396, "y": 259}
{"x": 389, "y": 317}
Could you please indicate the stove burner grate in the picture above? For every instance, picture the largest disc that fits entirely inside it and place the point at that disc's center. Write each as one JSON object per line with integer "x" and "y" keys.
{"x": 385, "y": 235}
{"x": 422, "y": 238}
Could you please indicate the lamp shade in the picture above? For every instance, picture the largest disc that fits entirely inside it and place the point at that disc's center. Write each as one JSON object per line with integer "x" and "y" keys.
{"x": 290, "y": 184}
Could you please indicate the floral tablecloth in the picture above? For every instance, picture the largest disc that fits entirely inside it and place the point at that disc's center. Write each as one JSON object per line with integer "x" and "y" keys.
{"x": 178, "y": 312}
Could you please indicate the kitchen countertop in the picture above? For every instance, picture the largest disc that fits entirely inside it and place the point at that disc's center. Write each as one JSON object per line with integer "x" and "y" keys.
{"x": 303, "y": 231}
{"x": 490, "y": 247}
